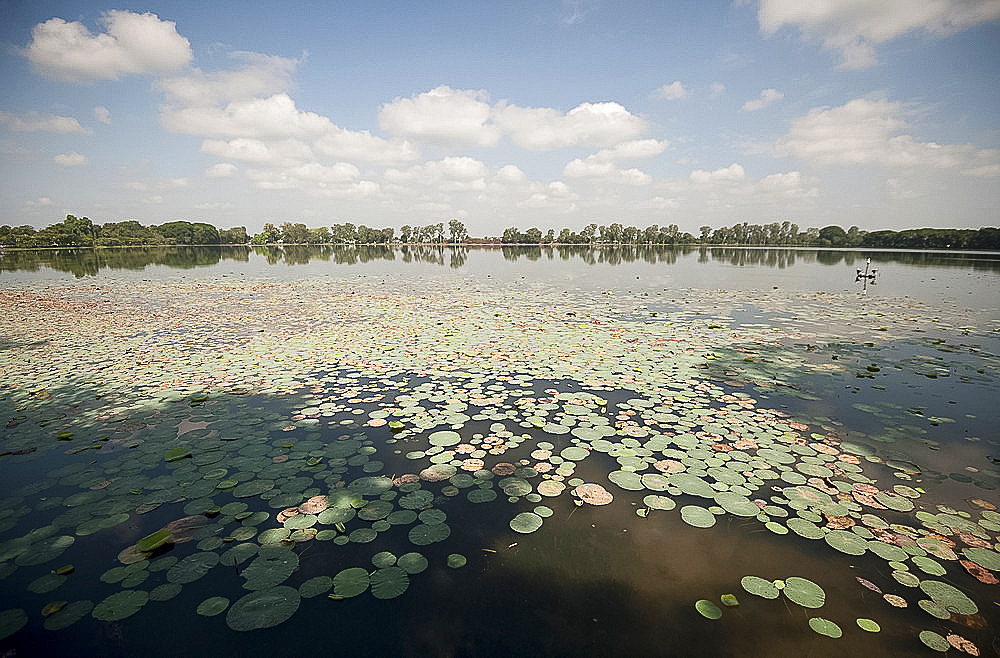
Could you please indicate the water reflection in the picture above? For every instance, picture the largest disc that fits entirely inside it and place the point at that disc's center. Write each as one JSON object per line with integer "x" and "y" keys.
{"x": 88, "y": 262}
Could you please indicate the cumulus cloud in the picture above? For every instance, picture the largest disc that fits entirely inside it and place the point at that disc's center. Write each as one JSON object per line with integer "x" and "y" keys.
{"x": 101, "y": 114}
{"x": 32, "y": 205}
{"x": 766, "y": 97}
{"x": 131, "y": 43}
{"x": 256, "y": 75}
{"x": 73, "y": 159}
{"x": 855, "y": 27}
{"x": 587, "y": 124}
{"x": 734, "y": 173}
{"x": 672, "y": 92}
{"x": 442, "y": 115}
{"x": 247, "y": 116}
{"x": 603, "y": 165}
{"x": 221, "y": 170}
{"x": 867, "y": 132}
{"x": 34, "y": 122}
{"x": 448, "y": 116}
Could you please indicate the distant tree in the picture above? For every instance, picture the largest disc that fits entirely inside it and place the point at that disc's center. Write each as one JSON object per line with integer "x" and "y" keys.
{"x": 294, "y": 233}
{"x": 533, "y": 236}
{"x": 706, "y": 232}
{"x": 457, "y": 230}
{"x": 319, "y": 235}
{"x": 235, "y": 235}
{"x": 405, "y": 232}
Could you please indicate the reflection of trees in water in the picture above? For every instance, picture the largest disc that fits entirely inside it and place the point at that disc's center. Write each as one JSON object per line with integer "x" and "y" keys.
{"x": 88, "y": 262}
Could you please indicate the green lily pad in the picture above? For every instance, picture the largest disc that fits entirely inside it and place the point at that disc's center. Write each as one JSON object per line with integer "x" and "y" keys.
{"x": 697, "y": 516}
{"x": 869, "y": 625}
{"x": 383, "y": 559}
{"x": 708, "y": 609}
{"x": 526, "y": 522}
{"x": 804, "y": 592}
{"x": 351, "y": 582}
{"x": 11, "y": 621}
{"x": 457, "y": 560}
{"x": 984, "y": 557}
{"x": 934, "y": 641}
{"x": 759, "y": 587}
{"x": 412, "y": 563}
{"x": 263, "y": 608}
{"x": 176, "y": 454}
{"x": 390, "y": 582}
{"x": 825, "y": 627}
{"x": 120, "y": 605}
{"x": 192, "y": 567}
{"x": 153, "y": 541}
{"x": 315, "y": 586}
{"x": 272, "y": 566}
{"x": 69, "y": 615}
{"x": 949, "y": 596}
{"x": 212, "y": 606}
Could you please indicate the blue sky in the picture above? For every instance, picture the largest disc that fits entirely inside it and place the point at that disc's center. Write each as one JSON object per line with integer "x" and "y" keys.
{"x": 544, "y": 113}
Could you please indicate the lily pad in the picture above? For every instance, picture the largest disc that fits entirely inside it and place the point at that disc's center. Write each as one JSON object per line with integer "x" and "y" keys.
{"x": 412, "y": 563}
{"x": 120, "y": 605}
{"x": 388, "y": 583}
{"x": 759, "y": 587}
{"x": 804, "y": 592}
{"x": 457, "y": 560}
{"x": 153, "y": 541}
{"x": 351, "y": 582}
{"x": 315, "y": 586}
{"x": 212, "y": 606}
{"x": 825, "y": 627}
{"x": 263, "y": 608}
{"x": 11, "y": 621}
{"x": 869, "y": 625}
{"x": 526, "y": 522}
{"x": 697, "y": 516}
{"x": 708, "y": 609}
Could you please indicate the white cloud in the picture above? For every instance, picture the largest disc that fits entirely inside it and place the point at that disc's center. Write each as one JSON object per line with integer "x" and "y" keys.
{"x": 73, "y": 159}
{"x": 855, "y": 27}
{"x": 261, "y": 118}
{"x": 33, "y": 205}
{"x": 363, "y": 146}
{"x": 717, "y": 90}
{"x": 603, "y": 164}
{"x": 157, "y": 184}
{"x": 258, "y": 76}
{"x": 102, "y": 114}
{"x": 215, "y": 205}
{"x": 766, "y": 97}
{"x": 221, "y": 170}
{"x": 866, "y": 132}
{"x": 133, "y": 43}
{"x": 587, "y": 124}
{"x": 447, "y": 116}
{"x": 442, "y": 115}
{"x": 672, "y": 92}
{"x": 452, "y": 174}
{"x": 732, "y": 174}
{"x": 34, "y": 122}
{"x": 572, "y": 12}
{"x": 273, "y": 153}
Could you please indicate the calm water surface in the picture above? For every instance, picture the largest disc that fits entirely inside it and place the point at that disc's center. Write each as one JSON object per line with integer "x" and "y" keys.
{"x": 752, "y": 412}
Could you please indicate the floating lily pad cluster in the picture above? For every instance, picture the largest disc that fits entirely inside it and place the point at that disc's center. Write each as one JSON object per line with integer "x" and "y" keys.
{"x": 264, "y": 428}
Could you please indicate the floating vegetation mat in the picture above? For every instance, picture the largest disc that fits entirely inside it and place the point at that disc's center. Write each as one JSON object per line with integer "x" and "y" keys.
{"x": 483, "y": 468}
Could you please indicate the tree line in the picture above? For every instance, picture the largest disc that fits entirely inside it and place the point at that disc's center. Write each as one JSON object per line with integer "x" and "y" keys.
{"x": 82, "y": 232}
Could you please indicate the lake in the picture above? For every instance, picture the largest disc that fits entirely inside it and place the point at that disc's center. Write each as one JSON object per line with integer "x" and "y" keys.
{"x": 498, "y": 451}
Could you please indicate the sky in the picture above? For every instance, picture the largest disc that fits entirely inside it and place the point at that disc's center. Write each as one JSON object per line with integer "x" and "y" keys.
{"x": 545, "y": 113}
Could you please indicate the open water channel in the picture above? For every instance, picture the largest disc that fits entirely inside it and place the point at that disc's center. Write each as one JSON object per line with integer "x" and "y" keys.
{"x": 479, "y": 452}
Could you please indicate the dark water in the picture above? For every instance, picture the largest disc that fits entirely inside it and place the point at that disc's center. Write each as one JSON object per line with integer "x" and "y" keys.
{"x": 906, "y": 368}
